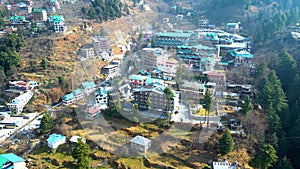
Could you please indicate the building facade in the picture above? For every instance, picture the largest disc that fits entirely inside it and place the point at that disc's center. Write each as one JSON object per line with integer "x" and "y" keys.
{"x": 17, "y": 104}
{"x": 110, "y": 71}
{"x": 39, "y": 14}
{"x": 140, "y": 144}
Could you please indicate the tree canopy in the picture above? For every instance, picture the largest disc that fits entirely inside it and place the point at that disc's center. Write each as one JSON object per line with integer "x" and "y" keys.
{"x": 225, "y": 143}
{"x": 81, "y": 154}
{"x": 46, "y": 123}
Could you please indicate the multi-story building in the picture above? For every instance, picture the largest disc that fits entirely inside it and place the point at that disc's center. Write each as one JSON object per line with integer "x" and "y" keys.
{"x": 17, "y": 104}
{"x": 17, "y": 20}
{"x": 87, "y": 52}
{"x": 157, "y": 97}
{"x": 192, "y": 91}
{"x": 137, "y": 80}
{"x": 100, "y": 44}
{"x": 101, "y": 97}
{"x": 172, "y": 39}
{"x": 207, "y": 64}
{"x": 39, "y": 14}
{"x": 58, "y": 23}
{"x": 110, "y": 71}
{"x": 151, "y": 57}
{"x": 193, "y": 54}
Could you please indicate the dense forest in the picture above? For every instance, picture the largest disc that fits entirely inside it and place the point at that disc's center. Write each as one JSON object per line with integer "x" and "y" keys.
{"x": 106, "y": 10}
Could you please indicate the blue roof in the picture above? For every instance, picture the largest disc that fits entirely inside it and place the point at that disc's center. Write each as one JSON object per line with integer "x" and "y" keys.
{"x": 140, "y": 140}
{"x": 77, "y": 92}
{"x": 243, "y": 54}
{"x": 101, "y": 91}
{"x": 232, "y": 24}
{"x": 137, "y": 77}
{"x": 88, "y": 85}
{"x": 153, "y": 80}
{"x": 207, "y": 59}
{"x": 69, "y": 96}
{"x": 12, "y": 157}
{"x": 53, "y": 138}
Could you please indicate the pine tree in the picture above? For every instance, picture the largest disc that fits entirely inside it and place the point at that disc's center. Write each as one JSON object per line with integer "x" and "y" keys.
{"x": 46, "y": 123}
{"x": 265, "y": 157}
{"x": 246, "y": 105}
{"x": 284, "y": 163}
{"x": 44, "y": 64}
{"x": 81, "y": 154}
{"x": 286, "y": 69}
{"x": 225, "y": 143}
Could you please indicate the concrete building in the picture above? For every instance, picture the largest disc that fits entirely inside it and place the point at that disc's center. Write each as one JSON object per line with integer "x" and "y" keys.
{"x": 17, "y": 104}
{"x": 140, "y": 144}
{"x": 100, "y": 44}
{"x": 172, "y": 39}
{"x": 110, "y": 71}
{"x": 101, "y": 97}
{"x": 192, "y": 91}
{"x": 39, "y": 14}
{"x": 157, "y": 97}
{"x": 87, "y": 52}
{"x": 58, "y": 23}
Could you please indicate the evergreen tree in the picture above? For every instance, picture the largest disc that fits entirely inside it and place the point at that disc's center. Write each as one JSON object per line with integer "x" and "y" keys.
{"x": 44, "y": 64}
{"x": 284, "y": 163}
{"x": 225, "y": 143}
{"x": 206, "y": 102}
{"x": 286, "y": 69}
{"x": 81, "y": 154}
{"x": 246, "y": 105}
{"x": 265, "y": 157}
{"x": 169, "y": 96}
{"x": 2, "y": 80}
{"x": 46, "y": 123}
{"x": 32, "y": 65}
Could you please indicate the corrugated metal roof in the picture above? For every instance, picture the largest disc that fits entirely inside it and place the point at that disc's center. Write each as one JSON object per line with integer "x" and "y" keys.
{"x": 11, "y": 157}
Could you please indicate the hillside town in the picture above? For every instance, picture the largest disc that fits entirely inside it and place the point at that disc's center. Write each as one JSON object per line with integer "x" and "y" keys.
{"x": 156, "y": 76}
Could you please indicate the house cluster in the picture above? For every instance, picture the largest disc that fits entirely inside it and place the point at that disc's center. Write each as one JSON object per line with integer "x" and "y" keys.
{"x": 203, "y": 49}
{"x": 55, "y": 140}
{"x": 25, "y": 14}
{"x": 83, "y": 91}
{"x": 25, "y": 91}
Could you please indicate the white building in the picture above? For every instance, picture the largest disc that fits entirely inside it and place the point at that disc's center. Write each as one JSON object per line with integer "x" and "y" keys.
{"x": 87, "y": 53}
{"x": 110, "y": 71}
{"x": 17, "y": 104}
{"x": 224, "y": 165}
{"x": 101, "y": 97}
{"x": 140, "y": 144}
{"x": 55, "y": 140}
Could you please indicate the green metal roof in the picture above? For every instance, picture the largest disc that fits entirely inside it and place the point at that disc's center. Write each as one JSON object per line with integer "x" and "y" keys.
{"x": 88, "y": 85}
{"x": 56, "y": 18}
{"x": 176, "y": 34}
{"x": 12, "y": 157}
{"x": 77, "y": 92}
{"x": 69, "y": 96}
{"x": 137, "y": 77}
{"x": 243, "y": 54}
{"x": 37, "y": 10}
{"x": 17, "y": 18}
{"x": 3, "y": 161}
